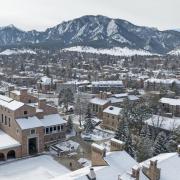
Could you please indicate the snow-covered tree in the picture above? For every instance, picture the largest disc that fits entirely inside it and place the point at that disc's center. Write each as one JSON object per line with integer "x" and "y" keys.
{"x": 81, "y": 106}
{"x": 160, "y": 144}
{"x": 65, "y": 97}
{"x": 69, "y": 124}
{"x": 88, "y": 125}
{"x": 144, "y": 146}
{"x": 173, "y": 140}
{"x": 140, "y": 113}
{"x": 123, "y": 134}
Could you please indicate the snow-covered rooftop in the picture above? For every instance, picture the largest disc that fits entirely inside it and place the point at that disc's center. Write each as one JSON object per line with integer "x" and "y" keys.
{"x": 45, "y": 80}
{"x": 99, "y": 101}
{"x": 16, "y": 92}
{"x": 122, "y": 95}
{"x": 164, "y": 122}
{"x": 35, "y": 168}
{"x": 28, "y": 123}
{"x": 163, "y": 81}
{"x": 97, "y": 146}
{"x": 169, "y": 165}
{"x": 10, "y": 103}
{"x": 7, "y": 141}
{"x": 107, "y": 83}
{"x": 52, "y": 119}
{"x": 170, "y": 101}
{"x": 117, "y": 163}
{"x": 113, "y": 110}
{"x": 117, "y": 141}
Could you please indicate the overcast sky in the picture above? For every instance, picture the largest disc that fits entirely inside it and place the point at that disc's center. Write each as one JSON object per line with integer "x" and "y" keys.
{"x": 40, "y": 14}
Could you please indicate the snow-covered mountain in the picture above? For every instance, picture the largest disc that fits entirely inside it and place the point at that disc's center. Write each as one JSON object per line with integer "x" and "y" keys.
{"x": 116, "y": 51}
{"x": 95, "y": 31}
{"x": 175, "y": 52}
{"x": 177, "y": 30}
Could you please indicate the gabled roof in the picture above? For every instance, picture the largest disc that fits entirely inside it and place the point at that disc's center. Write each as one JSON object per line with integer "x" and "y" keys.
{"x": 29, "y": 123}
{"x": 169, "y": 165}
{"x": 10, "y": 103}
{"x": 99, "y": 101}
{"x": 164, "y": 122}
{"x": 170, "y": 101}
{"x": 52, "y": 119}
{"x": 118, "y": 163}
{"x": 7, "y": 141}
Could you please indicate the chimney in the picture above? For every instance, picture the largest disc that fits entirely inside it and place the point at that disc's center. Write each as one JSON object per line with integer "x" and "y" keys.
{"x": 135, "y": 172}
{"x": 101, "y": 95}
{"x": 10, "y": 88}
{"x": 105, "y": 95}
{"x": 91, "y": 175}
{"x": 23, "y": 91}
{"x": 116, "y": 145}
{"x": 152, "y": 172}
{"x": 97, "y": 155}
{"x": 178, "y": 149}
{"x": 42, "y": 103}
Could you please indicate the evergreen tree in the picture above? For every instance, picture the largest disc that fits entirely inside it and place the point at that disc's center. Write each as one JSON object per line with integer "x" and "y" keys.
{"x": 46, "y": 71}
{"x": 144, "y": 146}
{"x": 88, "y": 125}
{"x": 65, "y": 97}
{"x": 145, "y": 132}
{"x": 123, "y": 134}
{"x": 69, "y": 124}
{"x": 173, "y": 140}
{"x": 22, "y": 67}
{"x": 160, "y": 144}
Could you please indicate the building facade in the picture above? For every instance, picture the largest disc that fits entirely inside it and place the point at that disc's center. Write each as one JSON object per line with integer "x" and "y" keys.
{"x": 28, "y": 125}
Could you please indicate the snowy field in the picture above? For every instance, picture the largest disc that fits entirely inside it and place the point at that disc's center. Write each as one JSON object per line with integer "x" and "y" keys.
{"x": 37, "y": 168}
{"x": 116, "y": 51}
{"x": 98, "y": 135}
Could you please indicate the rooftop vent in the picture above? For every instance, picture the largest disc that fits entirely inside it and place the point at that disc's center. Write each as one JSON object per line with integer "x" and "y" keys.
{"x": 111, "y": 108}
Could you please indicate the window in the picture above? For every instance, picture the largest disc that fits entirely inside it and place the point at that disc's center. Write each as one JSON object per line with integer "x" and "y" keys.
{"x": 33, "y": 131}
{"x": 47, "y": 130}
{"x": 50, "y": 129}
{"x": 54, "y": 128}
{"x": 5, "y": 120}
{"x": 96, "y": 108}
{"x": 62, "y": 127}
{"x": 25, "y": 112}
{"x": 2, "y": 118}
{"x": 9, "y": 122}
{"x": 29, "y": 100}
{"x": 59, "y": 128}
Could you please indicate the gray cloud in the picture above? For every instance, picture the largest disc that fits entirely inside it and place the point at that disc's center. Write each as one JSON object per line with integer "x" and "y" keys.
{"x": 40, "y": 14}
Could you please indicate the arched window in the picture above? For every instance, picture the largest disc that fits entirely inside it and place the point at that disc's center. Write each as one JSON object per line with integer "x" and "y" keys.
{"x": 2, "y": 157}
{"x": 11, "y": 154}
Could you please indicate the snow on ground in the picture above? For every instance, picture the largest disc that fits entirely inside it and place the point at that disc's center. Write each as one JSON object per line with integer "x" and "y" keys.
{"x": 98, "y": 135}
{"x": 175, "y": 52}
{"x": 8, "y": 52}
{"x": 116, "y": 51}
{"x": 72, "y": 134}
{"x": 36, "y": 168}
{"x": 67, "y": 146}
